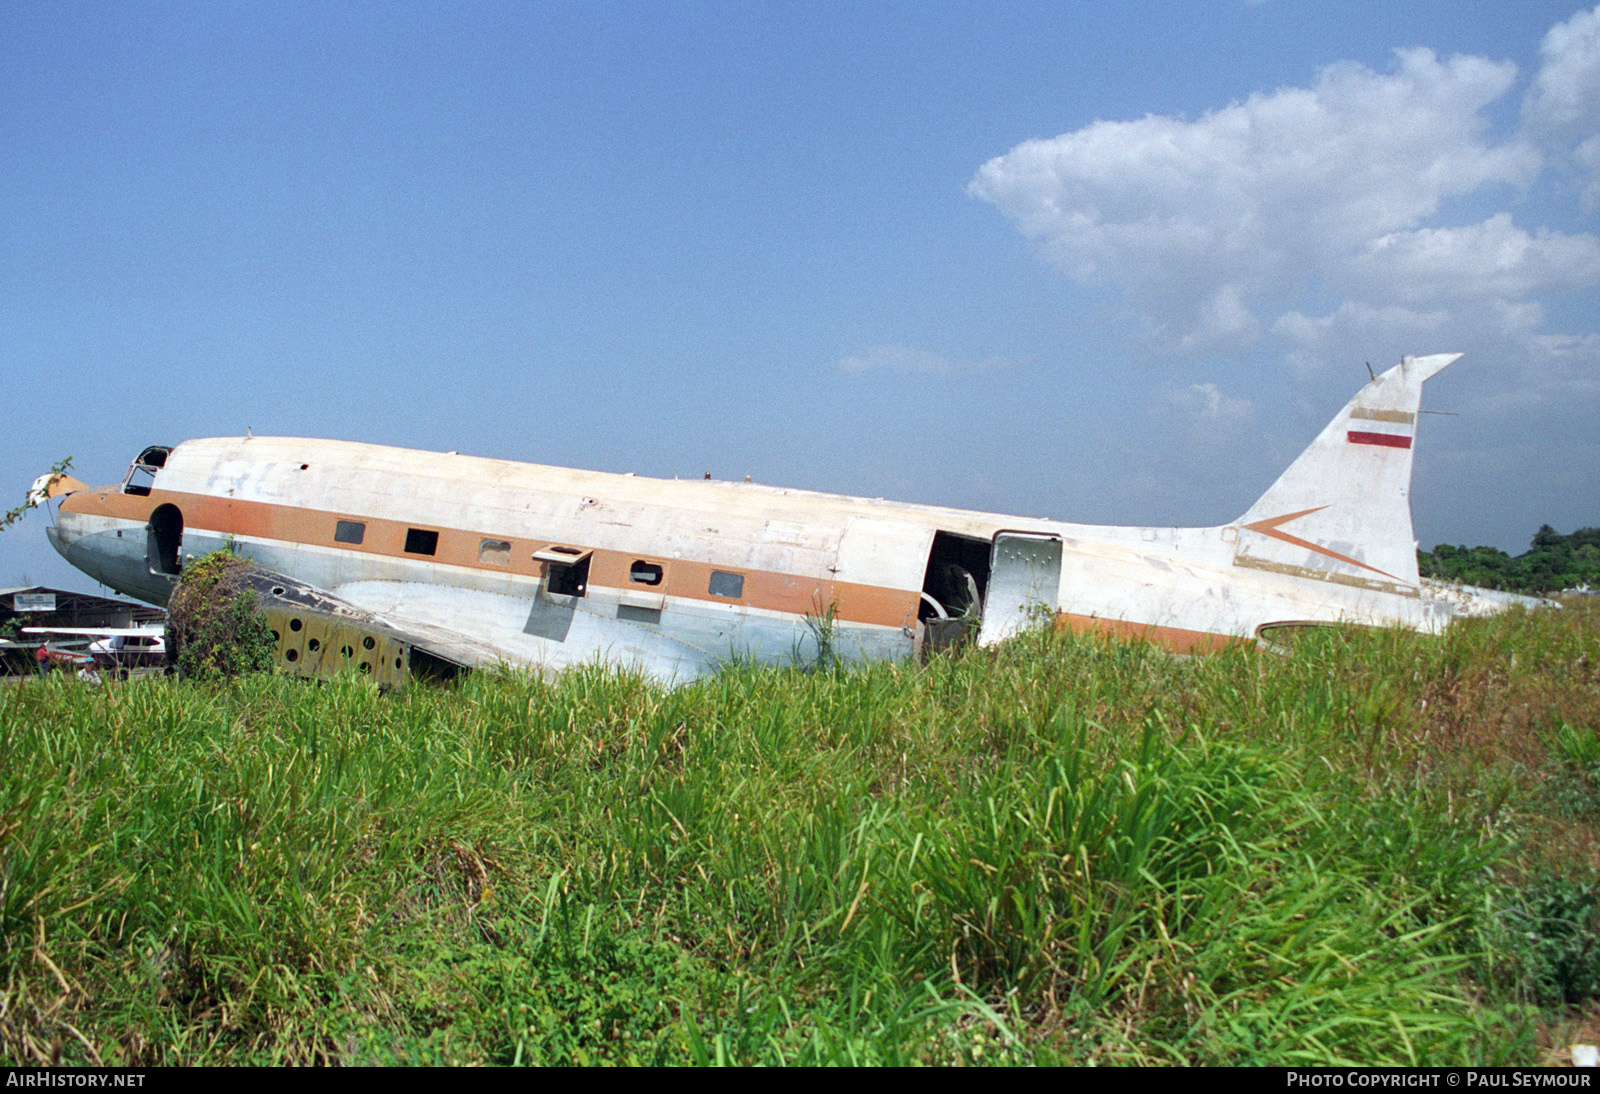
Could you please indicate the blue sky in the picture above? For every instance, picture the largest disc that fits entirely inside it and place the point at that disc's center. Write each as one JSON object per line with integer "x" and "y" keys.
{"x": 1109, "y": 263}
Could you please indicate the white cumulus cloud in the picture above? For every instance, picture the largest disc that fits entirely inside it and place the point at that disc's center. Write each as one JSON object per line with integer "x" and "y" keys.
{"x": 1587, "y": 156}
{"x": 1209, "y": 418}
{"x": 1209, "y": 403}
{"x": 1563, "y": 105}
{"x": 1365, "y": 216}
{"x": 1205, "y": 224}
{"x": 1566, "y": 92}
{"x": 1491, "y": 260}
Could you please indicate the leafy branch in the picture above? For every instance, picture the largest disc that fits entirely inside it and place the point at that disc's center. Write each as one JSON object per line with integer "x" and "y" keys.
{"x": 35, "y": 496}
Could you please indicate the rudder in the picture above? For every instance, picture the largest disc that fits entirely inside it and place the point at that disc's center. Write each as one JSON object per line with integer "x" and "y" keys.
{"x": 1342, "y": 511}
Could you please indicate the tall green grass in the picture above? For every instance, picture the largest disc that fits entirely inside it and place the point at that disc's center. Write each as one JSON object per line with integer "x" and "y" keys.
{"x": 1067, "y": 850}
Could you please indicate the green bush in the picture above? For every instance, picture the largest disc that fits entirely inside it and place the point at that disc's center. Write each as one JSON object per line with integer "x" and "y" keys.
{"x": 1554, "y": 929}
{"x": 213, "y": 624}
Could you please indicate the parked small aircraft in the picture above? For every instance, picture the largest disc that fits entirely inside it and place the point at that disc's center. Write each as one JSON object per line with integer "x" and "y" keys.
{"x": 400, "y": 561}
{"x": 17, "y": 656}
{"x": 118, "y": 648}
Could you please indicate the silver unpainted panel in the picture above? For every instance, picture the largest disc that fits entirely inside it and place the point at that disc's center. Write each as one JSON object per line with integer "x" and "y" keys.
{"x": 1024, "y": 580}
{"x": 550, "y": 621}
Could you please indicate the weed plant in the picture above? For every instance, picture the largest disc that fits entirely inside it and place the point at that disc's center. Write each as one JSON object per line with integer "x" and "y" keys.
{"x": 1067, "y": 850}
{"x": 213, "y": 622}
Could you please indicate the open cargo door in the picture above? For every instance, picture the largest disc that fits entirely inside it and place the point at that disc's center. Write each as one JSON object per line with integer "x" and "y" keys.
{"x": 1024, "y": 576}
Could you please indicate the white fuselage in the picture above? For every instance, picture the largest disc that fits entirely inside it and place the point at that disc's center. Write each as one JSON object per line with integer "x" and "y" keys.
{"x": 677, "y": 576}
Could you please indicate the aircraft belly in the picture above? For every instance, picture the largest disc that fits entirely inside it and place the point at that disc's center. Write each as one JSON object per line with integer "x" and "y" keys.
{"x": 1137, "y": 592}
{"x": 112, "y": 550}
{"x": 670, "y": 639}
{"x": 540, "y": 633}
{"x": 551, "y": 633}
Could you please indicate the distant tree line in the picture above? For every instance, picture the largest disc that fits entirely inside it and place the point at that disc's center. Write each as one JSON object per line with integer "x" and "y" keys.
{"x": 1555, "y": 562}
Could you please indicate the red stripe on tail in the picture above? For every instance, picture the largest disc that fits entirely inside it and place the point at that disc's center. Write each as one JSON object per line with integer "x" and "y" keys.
{"x": 1387, "y": 440}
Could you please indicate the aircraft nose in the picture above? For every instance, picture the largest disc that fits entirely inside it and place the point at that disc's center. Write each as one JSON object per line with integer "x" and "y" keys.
{"x": 113, "y": 556}
{"x": 68, "y": 535}
{"x": 64, "y": 531}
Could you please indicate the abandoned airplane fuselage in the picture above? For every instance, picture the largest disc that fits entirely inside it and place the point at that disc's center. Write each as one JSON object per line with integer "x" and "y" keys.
{"x": 475, "y": 560}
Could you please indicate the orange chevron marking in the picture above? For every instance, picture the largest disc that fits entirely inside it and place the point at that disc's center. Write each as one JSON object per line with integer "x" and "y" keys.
{"x": 1269, "y": 527}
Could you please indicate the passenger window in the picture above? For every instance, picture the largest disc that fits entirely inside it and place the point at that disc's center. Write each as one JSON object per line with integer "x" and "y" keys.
{"x": 349, "y": 531}
{"x": 420, "y": 541}
{"x": 496, "y": 552}
{"x": 726, "y": 584}
{"x": 645, "y": 573}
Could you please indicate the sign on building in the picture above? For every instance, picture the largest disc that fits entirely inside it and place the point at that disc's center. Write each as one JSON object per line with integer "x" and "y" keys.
{"x": 34, "y": 602}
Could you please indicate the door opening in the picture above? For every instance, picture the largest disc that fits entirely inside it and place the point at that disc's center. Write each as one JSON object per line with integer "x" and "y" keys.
{"x": 164, "y": 538}
{"x": 953, "y": 590}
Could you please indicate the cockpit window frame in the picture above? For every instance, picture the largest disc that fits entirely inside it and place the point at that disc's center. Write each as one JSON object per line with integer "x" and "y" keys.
{"x": 145, "y": 465}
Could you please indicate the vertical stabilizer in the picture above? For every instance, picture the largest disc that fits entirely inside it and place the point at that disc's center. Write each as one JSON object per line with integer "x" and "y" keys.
{"x": 1342, "y": 511}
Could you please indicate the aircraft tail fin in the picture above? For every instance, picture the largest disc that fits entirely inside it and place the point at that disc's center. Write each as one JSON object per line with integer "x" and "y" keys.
{"x": 1342, "y": 511}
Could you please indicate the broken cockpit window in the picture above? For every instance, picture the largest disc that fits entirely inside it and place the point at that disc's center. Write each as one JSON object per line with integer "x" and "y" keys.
{"x": 142, "y": 472}
{"x": 496, "y": 552}
{"x": 645, "y": 573}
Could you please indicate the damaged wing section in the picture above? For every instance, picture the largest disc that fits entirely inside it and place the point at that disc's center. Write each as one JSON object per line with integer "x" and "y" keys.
{"x": 318, "y": 634}
{"x": 53, "y": 485}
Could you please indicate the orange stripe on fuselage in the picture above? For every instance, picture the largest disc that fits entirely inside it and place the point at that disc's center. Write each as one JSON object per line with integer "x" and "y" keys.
{"x": 769, "y": 590}
{"x": 1175, "y": 639}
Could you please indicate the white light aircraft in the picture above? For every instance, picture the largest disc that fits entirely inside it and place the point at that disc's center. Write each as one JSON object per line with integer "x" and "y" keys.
{"x": 402, "y": 561}
{"x": 117, "y": 647}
